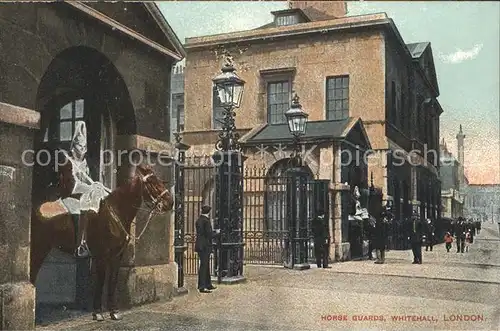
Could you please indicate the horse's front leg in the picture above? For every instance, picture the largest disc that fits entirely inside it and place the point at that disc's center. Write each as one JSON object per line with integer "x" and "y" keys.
{"x": 100, "y": 266}
{"x": 112, "y": 284}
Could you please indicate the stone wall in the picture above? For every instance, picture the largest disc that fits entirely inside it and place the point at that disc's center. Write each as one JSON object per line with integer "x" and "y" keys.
{"x": 35, "y": 39}
{"x": 17, "y": 294}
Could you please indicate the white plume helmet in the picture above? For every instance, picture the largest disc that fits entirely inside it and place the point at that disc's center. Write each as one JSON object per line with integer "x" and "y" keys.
{"x": 357, "y": 195}
{"x": 79, "y": 141}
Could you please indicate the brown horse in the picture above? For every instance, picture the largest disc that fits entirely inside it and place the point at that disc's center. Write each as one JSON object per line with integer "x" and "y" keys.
{"x": 107, "y": 232}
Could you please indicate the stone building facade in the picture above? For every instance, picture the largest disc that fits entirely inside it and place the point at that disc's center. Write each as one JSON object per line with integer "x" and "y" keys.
{"x": 483, "y": 202}
{"x": 108, "y": 64}
{"x": 348, "y": 67}
{"x": 452, "y": 186}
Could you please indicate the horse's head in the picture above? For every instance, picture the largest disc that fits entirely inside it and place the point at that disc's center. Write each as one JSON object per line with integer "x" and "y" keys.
{"x": 154, "y": 189}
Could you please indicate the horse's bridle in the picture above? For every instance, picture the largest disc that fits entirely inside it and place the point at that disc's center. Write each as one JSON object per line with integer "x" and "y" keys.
{"x": 153, "y": 211}
{"x": 154, "y": 200}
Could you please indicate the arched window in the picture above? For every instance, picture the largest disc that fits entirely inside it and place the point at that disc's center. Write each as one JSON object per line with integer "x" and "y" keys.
{"x": 275, "y": 199}
{"x": 62, "y": 128}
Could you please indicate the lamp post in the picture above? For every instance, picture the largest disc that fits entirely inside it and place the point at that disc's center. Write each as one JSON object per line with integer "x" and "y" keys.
{"x": 179, "y": 244}
{"x": 297, "y": 176}
{"x": 228, "y": 263}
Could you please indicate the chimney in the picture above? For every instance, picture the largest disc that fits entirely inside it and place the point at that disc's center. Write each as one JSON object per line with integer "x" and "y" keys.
{"x": 320, "y": 10}
{"x": 460, "y": 151}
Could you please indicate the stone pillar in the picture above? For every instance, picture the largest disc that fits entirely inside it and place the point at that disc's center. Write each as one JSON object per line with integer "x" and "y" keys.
{"x": 326, "y": 171}
{"x": 337, "y": 187}
{"x": 17, "y": 295}
{"x": 149, "y": 271}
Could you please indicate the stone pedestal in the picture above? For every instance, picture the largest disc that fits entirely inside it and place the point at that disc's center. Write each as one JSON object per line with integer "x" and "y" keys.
{"x": 18, "y": 306}
{"x": 139, "y": 285}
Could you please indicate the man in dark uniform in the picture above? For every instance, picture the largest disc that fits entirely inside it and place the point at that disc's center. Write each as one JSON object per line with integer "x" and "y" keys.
{"x": 459, "y": 233}
{"x": 415, "y": 237}
{"x": 203, "y": 246}
{"x": 320, "y": 233}
{"x": 478, "y": 226}
{"x": 381, "y": 234}
{"x": 430, "y": 231}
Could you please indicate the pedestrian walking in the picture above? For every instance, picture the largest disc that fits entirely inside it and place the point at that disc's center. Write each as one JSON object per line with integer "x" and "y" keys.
{"x": 459, "y": 233}
{"x": 320, "y": 233}
{"x": 468, "y": 240}
{"x": 415, "y": 237}
{"x": 430, "y": 235}
{"x": 448, "y": 239}
{"x": 381, "y": 235}
{"x": 203, "y": 246}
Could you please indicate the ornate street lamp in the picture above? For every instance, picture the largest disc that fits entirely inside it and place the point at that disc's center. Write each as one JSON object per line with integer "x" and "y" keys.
{"x": 228, "y": 262}
{"x": 229, "y": 85}
{"x": 297, "y": 124}
{"x": 230, "y": 91}
{"x": 297, "y": 191}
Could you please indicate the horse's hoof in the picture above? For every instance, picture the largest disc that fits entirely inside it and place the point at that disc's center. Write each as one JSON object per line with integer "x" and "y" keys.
{"x": 98, "y": 317}
{"x": 115, "y": 316}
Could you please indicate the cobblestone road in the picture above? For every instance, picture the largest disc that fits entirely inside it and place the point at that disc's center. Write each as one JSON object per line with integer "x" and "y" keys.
{"x": 419, "y": 297}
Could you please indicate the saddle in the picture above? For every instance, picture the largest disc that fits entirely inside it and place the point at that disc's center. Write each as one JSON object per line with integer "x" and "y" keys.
{"x": 52, "y": 209}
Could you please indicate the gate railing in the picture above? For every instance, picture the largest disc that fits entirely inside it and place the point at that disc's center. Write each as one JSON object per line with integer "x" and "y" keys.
{"x": 265, "y": 224}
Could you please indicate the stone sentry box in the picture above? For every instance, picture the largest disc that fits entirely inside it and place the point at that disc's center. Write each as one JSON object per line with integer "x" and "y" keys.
{"x": 17, "y": 294}
{"x": 147, "y": 273}
{"x": 79, "y": 50}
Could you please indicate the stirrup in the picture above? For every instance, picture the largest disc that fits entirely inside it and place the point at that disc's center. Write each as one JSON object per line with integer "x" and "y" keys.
{"x": 82, "y": 251}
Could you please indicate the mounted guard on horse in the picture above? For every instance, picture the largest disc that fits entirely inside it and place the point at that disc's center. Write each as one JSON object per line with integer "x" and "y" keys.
{"x": 80, "y": 195}
{"x": 102, "y": 218}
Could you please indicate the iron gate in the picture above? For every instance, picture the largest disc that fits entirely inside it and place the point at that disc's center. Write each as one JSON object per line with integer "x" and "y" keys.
{"x": 266, "y": 229}
{"x": 265, "y": 224}
{"x": 199, "y": 185}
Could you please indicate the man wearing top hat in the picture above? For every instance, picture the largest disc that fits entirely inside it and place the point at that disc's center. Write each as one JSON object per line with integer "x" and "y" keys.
{"x": 415, "y": 236}
{"x": 381, "y": 234}
{"x": 203, "y": 246}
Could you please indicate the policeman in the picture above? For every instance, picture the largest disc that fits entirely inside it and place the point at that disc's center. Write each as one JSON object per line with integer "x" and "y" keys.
{"x": 320, "y": 233}
{"x": 415, "y": 237}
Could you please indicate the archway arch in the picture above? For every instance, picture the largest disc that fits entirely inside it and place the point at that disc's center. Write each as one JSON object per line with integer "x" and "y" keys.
{"x": 80, "y": 83}
{"x": 275, "y": 197}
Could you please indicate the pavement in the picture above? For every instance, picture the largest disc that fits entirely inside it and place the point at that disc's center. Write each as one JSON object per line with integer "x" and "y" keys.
{"x": 449, "y": 291}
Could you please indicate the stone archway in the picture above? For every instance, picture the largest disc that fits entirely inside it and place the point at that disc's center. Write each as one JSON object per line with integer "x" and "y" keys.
{"x": 80, "y": 83}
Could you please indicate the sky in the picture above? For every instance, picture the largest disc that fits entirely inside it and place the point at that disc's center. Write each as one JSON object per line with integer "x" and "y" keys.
{"x": 464, "y": 38}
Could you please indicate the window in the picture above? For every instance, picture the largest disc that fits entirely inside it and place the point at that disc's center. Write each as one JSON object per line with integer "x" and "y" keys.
{"x": 68, "y": 116}
{"x": 403, "y": 112}
{"x": 278, "y": 101}
{"x": 417, "y": 117}
{"x": 337, "y": 98}
{"x": 177, "y": 112}
{"x": 393, "y": 110}
{"x": 180, "y": 118}
{"x": 287, "y": 20}
{"x": 217, "y": 110}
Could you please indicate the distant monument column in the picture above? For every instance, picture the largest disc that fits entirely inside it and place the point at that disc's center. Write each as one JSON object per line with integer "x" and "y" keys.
{"x": 460, "y": 151}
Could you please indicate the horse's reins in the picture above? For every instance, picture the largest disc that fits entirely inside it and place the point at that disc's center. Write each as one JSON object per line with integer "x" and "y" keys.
{"x": 152, "y": 213}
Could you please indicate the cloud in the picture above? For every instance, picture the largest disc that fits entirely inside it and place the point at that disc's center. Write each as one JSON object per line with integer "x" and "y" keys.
{"x": 460, "y": 55}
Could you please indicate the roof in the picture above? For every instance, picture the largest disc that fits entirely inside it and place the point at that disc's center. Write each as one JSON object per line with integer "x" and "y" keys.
{"x": 317, "y": 131}
{"x": 417, "y": 49}
{"x": 338, "y": 24}
{"x": 153, "y": 9}
{"x": 317, "y": 15}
